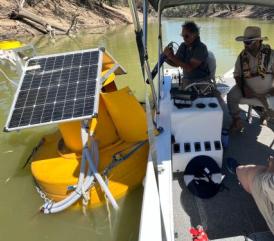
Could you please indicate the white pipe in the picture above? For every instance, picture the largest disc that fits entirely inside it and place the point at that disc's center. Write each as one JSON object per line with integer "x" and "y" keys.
{"x": 101, "y": 181}
{"x": 75, "y": 195}
{"x": 79, "y": 185}
{"x": 83, "y": 183}
{"x": 67, "y": 202}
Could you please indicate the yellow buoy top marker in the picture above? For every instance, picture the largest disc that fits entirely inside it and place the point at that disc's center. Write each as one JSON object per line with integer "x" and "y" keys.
{"x": 10, "y": 44}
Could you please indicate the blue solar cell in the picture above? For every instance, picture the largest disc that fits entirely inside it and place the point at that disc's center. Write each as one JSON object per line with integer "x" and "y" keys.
{"x": 47, "y": 112}
{"x": 76, "y": 60}
{"x": 92, "y": 73}
{"x": 71, "y": 91}
{"x": 22, "y": 97}
{"x": 51, "y": 95}
{"x": 67, "y": 61}
{"x": 45, "y": 80}
{"x": 58, "y": 111}
{"x": 26, "y": 116}
{"x": 88, "y": 108}
{"x": 49, "y": 64}
{"x": 15, "y": 119}
{"x": 55, "y": 78}
{"x": 59, "y": 62}
{"x": 68, "y": 109}
{"x": 36, "y": 82}
{"x": 79, "y": 107}
{"x": 41, "y": 97}
{"x": 32, "y": 95}
{"x": 37, "y": 115}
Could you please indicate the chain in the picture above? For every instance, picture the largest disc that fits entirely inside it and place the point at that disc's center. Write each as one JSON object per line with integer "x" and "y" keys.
{"x": 43, "y": 195}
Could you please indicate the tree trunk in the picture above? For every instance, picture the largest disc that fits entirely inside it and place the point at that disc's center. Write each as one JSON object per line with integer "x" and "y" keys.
{"x": 23, "y": 14}
{"x": 213, "y": 8}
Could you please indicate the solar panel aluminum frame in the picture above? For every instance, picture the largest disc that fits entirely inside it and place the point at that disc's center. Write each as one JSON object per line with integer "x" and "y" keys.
{"x": 96, "y": 96}
{"x": 110, "y": 71}
{"x": 118, "y": 69}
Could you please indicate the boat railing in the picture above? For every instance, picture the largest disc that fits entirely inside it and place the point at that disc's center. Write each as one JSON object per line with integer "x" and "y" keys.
{"x": 150, "y": 225}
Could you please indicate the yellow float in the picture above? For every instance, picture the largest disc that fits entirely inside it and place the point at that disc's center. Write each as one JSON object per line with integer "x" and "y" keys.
{"x": 120, "y": 131}
{"x": 10, "y": 44}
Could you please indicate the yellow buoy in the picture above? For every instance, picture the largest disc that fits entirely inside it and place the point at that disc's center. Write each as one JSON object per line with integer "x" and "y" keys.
{"x": 10, "y": 44}
{"x": 121, "y": 124}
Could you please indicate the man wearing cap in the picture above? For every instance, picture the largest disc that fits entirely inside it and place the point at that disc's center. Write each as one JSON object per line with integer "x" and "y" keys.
{"x": 254, "y": 73}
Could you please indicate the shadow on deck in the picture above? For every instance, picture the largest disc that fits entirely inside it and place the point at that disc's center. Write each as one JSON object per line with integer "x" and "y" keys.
{"x": 232, "y": 214}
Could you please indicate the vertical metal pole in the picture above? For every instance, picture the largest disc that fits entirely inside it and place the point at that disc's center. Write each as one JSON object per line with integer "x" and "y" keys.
{"x": 85, "y": 137}
{"x": 159, "y": 53}
{"x": 136, "y": 22}
{"x": 145, "y": 15}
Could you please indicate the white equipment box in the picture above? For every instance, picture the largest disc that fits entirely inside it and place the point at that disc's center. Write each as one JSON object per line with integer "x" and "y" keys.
{"x": 196, "y": 131}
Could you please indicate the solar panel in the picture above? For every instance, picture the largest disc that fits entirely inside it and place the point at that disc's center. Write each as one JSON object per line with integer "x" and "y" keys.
{"x": 57, "y": 88}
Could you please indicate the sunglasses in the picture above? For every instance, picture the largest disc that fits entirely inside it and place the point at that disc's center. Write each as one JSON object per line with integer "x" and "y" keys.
{"x": 185, "y": 36}
{"x": 249, "y": 42}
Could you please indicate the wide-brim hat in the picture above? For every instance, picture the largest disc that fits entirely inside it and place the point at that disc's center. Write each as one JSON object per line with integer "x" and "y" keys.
{"x": 251, "y": 33}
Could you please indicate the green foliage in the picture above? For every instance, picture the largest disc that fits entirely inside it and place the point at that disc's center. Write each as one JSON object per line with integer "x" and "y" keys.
{"x": 200, "y": 9}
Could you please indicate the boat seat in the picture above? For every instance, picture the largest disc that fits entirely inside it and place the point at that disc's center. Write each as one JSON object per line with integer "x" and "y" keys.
{"x": 253, "y": 102}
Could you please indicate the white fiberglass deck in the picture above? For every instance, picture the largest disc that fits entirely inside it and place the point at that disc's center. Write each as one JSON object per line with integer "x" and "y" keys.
{"x": 231, "y": 214}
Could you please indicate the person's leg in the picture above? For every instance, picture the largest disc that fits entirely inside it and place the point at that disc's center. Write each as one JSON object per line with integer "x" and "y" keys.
{"x": 246, "y": 174}
{"x": 233, "y": 100}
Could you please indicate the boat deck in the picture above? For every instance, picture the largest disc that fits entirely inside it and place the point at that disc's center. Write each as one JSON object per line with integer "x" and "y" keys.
{"x": 231, "y": 215}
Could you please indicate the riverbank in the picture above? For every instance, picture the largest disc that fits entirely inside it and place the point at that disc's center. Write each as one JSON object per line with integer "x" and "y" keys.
{"x": 222, "y": 11}
{"x": 66, "y": 14}
{"x": 73, "y": 16}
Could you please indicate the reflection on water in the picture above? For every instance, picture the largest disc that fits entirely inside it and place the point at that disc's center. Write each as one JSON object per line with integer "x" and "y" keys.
{"x": 19, "y": 202}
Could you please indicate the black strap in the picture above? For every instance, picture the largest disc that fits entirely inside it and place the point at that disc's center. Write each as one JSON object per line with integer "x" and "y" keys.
{"x": 242, "y": 75}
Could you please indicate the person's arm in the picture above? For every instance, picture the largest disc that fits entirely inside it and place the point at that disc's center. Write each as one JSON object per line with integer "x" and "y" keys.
{"x": 271, "y": 92}
{"x": 238, "y": 72}
{"x": 168, "y": 52}
{"x": 188, "y": 67}
{"x": 168, "y": 61}
{"x": 200, "y": 55}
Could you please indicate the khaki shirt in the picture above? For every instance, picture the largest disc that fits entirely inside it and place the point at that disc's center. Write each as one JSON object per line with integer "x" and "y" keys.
{"x": 257, "y": 84}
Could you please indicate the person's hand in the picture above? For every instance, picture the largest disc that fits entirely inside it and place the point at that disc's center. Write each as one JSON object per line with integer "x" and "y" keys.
{"x": 248, "y": 92}
{"x": 168, "y": 52}
{"x": 271, "y": 164}
{"x": 271, "y": 92}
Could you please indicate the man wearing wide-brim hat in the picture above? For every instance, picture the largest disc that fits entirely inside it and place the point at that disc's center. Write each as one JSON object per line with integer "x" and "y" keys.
{"x": 254, "y": 74}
